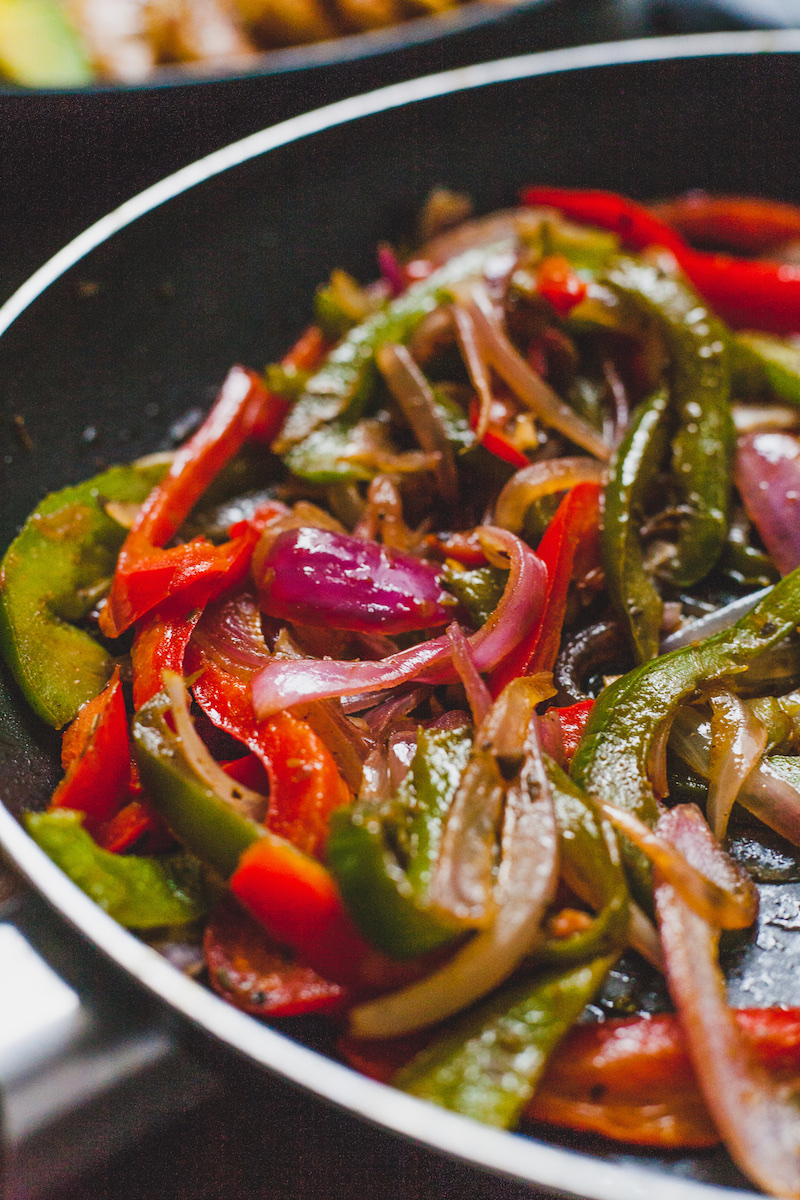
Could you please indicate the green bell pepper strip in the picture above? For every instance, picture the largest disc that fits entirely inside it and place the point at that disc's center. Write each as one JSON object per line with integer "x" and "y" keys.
{"x": 488, "y": 1064}
{"x": 632, "y": 471}
{"x": 592, "y": 868}
{"x": 342, "y": 387}
{"x": 700, "y": 388}
{"x": 382, "y": 855}
{"x": 141, "y": 893}
{"x": 205, "y": 823}
{"x": 764, "y": 363}
{"x": 479, "y": 591}
{"x": 52, "y": 575}
{"x": 611, "y": 762}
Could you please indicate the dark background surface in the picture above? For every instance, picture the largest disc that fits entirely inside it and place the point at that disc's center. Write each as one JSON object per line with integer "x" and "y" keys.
{"x": 66, "y": 160}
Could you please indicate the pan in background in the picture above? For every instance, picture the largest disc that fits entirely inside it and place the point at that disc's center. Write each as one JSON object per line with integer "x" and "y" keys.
{"x": 136, "y": 324}
{"x": 67, "y": 157}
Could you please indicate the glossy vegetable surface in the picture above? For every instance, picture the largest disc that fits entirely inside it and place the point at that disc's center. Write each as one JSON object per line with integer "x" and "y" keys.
{"x": 500, "y": 476}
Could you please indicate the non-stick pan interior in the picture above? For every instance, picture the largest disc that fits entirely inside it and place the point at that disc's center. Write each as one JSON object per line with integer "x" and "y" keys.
{"x": 121, "y": 350}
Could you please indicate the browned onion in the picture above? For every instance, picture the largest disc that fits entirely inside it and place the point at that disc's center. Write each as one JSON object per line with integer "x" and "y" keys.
{"x": 733, "y": 905}
{"x": 529, "y": 387}
{"x": 478, "y": 694}
{"x": 543, "y": 479}
{"x": 758, "y": 1121}
{"x": 738, "y": 740}
{"x": 526, "y": 883}
{"x": 415, "y": 396}
{"x": 477, "y": 368}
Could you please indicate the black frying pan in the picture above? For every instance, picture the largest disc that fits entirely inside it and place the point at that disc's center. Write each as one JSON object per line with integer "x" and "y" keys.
{"x": 136, "y": 324}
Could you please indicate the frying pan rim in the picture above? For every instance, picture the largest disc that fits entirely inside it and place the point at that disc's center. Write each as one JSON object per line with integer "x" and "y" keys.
{"x": 524, "y": 1158}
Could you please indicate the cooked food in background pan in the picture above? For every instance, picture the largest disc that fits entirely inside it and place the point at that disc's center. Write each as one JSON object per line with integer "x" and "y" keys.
{"x": 71, "y": 43}
{"x": 457, "y": 656}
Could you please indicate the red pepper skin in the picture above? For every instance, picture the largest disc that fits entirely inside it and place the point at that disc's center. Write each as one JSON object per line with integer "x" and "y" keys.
{"x": 308, "y": 351}
{"x": 160, "y": 643}
{"x": 577, "y": 520}
{"x": 97, "y": 758}
{"x": 304, "y": 782}
{"x": 572, "y": 722}
{"x": 745, "y": 224}
{"x": 146, "y": 574}
{"x": 163, "y": 634}
{"x": 641, "y": 1069}
{"x": 633, "y": 224}
{"x": 496, "y": 441}
{"x": 745, "y": 293}
{"x": 465, "y": 548}
{"x": 254, "y": 973}
{"x": 130, "y": 825}
{"x": 249, "y": 771}
{"x": 559, "y": 284}
{"x": 629, "y": 1079}
{"x": 297, "y": 901}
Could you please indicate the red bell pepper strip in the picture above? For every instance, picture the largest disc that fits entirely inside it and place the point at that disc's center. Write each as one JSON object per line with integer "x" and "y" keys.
{"x": 305, "y": 784}
{"x": 465, "y": 548}
{"x": 745, "y": 224}
{"x": 295, "y": 897}
{"x": 558, "y": 282}
{"x": 748, "y": 293}
{"x": 97, "y": 758}
{"x": 745, "y": 293}
{"x": 308, "y": 351}
{"x": 634, "y": 225}
{"x": 306, "y": 354}
{"x": 633, "y": 1079}
{"x": 576, "y": 521}
{"x": 160, "y": 644}
{"x": 629, "y": 1079}
{"x": 562, "y": 729}
{"x": 249, "y": 771}
{"x": 256, "y": 974}
{"x": 145, "y": 573}
{"x": 133, "y": 822}
{"x": 163, "y": 634}
{"x": 496, "y": 441}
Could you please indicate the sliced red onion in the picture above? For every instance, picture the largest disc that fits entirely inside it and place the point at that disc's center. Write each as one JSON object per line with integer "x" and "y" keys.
{"x": 767, "y": 475}
{"x": 320, "y": 577}
{"x": 529, "y": 387}
{"x": 765, "y": 792}
{"x": 283, "y": 684}
{"x": 520, "y": 604}
{"x": 543, "y": 479}
{"x": 230, "y": 633}
{"x": 526, "y": 883}
{"x": 478, "y": 694}
{"x": 619, "y": 394}
{"x": 643, "y": 937}
{"x": 390, "y": 269}
{"x": 383, "y": 516}
{"x": 758, "y": 1121}
{"x": 733, "y": 906}
{"x": 386, "y": 710}
{"x": 738, "y": 740}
